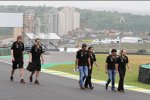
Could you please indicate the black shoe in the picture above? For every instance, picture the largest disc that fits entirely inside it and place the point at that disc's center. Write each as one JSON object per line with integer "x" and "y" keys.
{"x": 11, "y": 78}
{"x": 106, "y": 86}
{"x": 31, "y": 79}
{"x": 91, "y": 88}
{"x": 82, "y": 88}
{"x": 86, "y": 87}
{"x": 121, "y": 91}
{"x": 113, "y": 90}
{"x": 22, "y": 81}
{"x": 37, "y": 82}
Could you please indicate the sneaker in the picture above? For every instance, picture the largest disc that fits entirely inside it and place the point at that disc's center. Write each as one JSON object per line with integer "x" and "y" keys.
{"x": 106, "y": 86}
{"x": 36, "y": 82}
{"x": 11, "y": 78}
{"x": 113, "y": 90}
{"x": 91, "y": 88}
{"x": 82, "y": 88}
{"x": 31, "y": 79}
{"x": 22, "y": 81}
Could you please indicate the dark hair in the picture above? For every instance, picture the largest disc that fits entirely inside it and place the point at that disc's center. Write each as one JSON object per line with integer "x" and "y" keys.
{"x": 19, "y": 37}
{"x": 90, "y": 47}
{"x": 113, "y": 50}
{"x": 84, "y": 45}
{"x": 37, "y": 39}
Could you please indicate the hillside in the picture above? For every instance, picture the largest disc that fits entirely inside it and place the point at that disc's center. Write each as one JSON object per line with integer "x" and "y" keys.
{"x": 98, "y": 20}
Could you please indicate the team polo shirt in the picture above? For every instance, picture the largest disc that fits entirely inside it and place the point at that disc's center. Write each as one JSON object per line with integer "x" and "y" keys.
{"x": 111, "y": 61}
{"x": 18, "y": 48}
{"x": 82, "y": 57}
{"x": 36, "y": 52}
{"x": 122, "y": 61}
{"x": 92, "y": 58}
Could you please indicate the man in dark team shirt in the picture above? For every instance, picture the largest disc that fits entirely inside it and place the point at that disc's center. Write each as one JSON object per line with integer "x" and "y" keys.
{"x": 17, "y": 57}
{"x": 110, "y": 69}
{"x": 93, "y": 60}
{"x": 36, "y": 57}
{"x": 122, "y": 62}
{"x": 82, "y": 61}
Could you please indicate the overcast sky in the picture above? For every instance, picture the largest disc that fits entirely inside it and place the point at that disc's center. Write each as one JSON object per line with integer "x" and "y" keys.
{"x": 139, "y": 7}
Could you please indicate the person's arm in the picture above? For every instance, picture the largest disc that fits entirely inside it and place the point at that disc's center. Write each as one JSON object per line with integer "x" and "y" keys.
{"x": 128, "y": 65}
{"x": 96, "y": 65}
{"x": 116, "y": 66}
{"x": 89, "y": 61}
{"x": 12, "y": 55}
{"x": 42, "y": 58}
{"x": 30, "y": 57}
{"x": 12, "y": 52}
{"x": 23, "y": 52}
{"x": 95, "y": 62}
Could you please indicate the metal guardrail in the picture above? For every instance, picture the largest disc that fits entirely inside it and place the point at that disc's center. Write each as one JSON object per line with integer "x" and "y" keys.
{"x": 5, "y": 51}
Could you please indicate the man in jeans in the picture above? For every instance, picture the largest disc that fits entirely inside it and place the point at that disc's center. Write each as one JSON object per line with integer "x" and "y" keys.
{"x": 82, "y": 61}
{"x": 110, "y": 69}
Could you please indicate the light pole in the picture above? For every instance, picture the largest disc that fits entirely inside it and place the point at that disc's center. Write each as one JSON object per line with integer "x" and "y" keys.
{"x": 120, "y": 35}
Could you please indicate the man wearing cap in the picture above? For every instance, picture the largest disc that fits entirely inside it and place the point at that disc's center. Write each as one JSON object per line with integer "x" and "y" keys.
{"x": 111, "y": 68}
{"x": 82, "y": 61}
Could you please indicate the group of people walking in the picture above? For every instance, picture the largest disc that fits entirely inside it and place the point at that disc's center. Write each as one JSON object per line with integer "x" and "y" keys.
{"x": 85, "y": 59}
{"x": 36, "y": 58}
{"x": 114, "y": 64}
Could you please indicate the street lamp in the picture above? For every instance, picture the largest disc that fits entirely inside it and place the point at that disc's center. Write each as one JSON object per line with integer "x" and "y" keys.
{"x": 120, "y": 35}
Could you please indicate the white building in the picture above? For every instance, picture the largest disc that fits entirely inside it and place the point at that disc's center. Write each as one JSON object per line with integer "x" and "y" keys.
{"x": 109, "y": 41}
{"x": 61, "y": 24}
{"x": 76, "y": 21}
{"x": 68, "y": 20}
{"x": 131, "y": 40}
{"x": 51, "y": 21}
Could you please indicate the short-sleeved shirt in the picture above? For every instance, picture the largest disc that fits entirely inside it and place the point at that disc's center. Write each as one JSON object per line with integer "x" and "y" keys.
{"x": 92, "y": 58}
{"x": 18, "y": 48}
{"x": 82, "y": 57}
{"x": 111, "y": 61}
{"x": 122, "y": 61}
{"x": 36, "y": 52}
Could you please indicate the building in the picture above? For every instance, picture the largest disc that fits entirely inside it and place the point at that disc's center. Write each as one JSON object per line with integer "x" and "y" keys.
{"x": 51, "y": 21}
{"x": 31, "y": 22}
{"x": 68, "y": 20}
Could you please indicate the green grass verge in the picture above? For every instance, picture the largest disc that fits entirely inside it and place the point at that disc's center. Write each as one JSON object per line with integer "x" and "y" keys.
{"x": 130, "y": 79}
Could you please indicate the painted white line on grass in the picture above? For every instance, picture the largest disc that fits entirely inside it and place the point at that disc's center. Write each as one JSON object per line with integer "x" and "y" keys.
{"x": 76, "y": 77}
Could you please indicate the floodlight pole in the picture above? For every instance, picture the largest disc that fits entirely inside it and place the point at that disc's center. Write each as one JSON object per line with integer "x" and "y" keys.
{"x": 120, "y": 35}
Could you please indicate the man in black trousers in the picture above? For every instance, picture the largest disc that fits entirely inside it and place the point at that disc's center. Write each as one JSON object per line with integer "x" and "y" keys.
{"x": 93, "y": 60}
